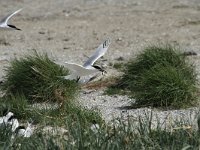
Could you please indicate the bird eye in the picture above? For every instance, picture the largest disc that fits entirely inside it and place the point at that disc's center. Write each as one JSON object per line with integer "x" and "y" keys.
{"x": 105, "y": 44}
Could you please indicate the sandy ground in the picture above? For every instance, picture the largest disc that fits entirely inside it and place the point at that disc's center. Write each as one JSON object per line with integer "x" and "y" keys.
{"x": 70, "y": 29}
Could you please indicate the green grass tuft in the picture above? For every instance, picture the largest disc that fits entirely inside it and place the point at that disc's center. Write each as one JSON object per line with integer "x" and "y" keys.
{"x": 37, "y": 78}
{"x": 165, "y": 86}
{"x": 160, "y": 76}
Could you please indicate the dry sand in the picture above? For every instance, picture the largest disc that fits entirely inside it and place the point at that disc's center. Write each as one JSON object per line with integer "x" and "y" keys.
{"x": 69, "y": 29}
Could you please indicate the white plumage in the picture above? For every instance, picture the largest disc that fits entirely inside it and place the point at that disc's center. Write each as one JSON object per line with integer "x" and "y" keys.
{"x": 24, "y": 132}
{"x": 88, "y": 68}
{"x": 4, "y": 119}
{"x": 13, "y": 123}
{"x": 29, "y": 130}
{"x": 4, "y": 22}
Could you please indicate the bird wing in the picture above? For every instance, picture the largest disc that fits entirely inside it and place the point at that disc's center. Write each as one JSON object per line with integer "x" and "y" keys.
{"x": 79, "y": 70}
{"x": 28, "y": 131}
{"x": 5, "y": 19}
{"x": 73, "y": 67}
{"x": 100, "y": 51}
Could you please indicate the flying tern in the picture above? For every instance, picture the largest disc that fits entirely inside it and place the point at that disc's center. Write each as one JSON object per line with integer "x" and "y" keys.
{"x": 88, "y": 68}
{"x": 4, "y": 21}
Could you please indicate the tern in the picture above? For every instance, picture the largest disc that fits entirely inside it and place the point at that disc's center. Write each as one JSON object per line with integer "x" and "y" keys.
{"x": 4, "y": 119}
{"x": 13, "y": 122}
{"x": 24, "y": 132}
{"x": 19, "y": 132}
{"x": 95, "y": 127}
{"x": 29, "y": 131}
{"x": 4, "y": 21}
{"x": 88, "y": 68}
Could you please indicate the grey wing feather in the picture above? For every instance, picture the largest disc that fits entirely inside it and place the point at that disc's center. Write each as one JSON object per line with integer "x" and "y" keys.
{"x": 5, "y": 19}
{"x": 72, "y": 67}
{"x": 100, "y": 51}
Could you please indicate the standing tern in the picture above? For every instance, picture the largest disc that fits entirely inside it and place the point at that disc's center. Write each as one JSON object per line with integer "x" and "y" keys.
{"x": 4, "y": 21}
{"x": 88, "y": 67}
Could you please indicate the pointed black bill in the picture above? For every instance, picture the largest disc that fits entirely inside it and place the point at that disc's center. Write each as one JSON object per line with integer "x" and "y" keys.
{"x": 14, "y": 27}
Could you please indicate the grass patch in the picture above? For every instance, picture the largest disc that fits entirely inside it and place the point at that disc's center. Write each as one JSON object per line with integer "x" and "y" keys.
{"x": 50, "y": 114}
{"x": 159, "y": 76}
{"x": 37, "y": 78}
{"x": 129, "y": 135}
{"x": 165, "y": 86}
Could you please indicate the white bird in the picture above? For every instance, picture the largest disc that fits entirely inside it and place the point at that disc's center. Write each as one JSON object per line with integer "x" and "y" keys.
{"x": 29, "y": 131}
{"x": 4, "y": 119}
{"x": 88, "y": 68}
{"x": 20, "y": 130}
{"x": 13, "y": 122}
{"x": 95, "y": 127}
{"x": 24, "y": 132}
{"x": 4, "y": 21}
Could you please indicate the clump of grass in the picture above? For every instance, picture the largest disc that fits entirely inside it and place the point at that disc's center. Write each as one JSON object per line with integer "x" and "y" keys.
{"x": 160, "y": 76}
{"x": 38, "y": 79}
{"x": 165, "y": 86}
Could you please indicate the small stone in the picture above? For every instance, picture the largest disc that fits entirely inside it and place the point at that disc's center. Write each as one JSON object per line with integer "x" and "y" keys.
{"x": 41, "y": 32}
{"x": 66, "y": 39}
{"x": 49, "y": 38}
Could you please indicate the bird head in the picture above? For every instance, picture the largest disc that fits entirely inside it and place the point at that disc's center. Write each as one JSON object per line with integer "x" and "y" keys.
{"x": 9, "y": 115}
{"x": 100, "y": 69}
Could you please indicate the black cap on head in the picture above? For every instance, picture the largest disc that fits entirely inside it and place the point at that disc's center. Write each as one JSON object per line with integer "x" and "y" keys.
{"x": 94, "y": 122}
{"x": 12, "y": 117}
{"x": 18, "y": 128}
{"x": 98, "y": 68}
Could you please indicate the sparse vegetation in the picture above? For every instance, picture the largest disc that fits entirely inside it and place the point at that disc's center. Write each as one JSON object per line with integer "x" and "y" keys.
{"x": 122, "y": 136}
{"x": 159, "y": 76}
{"x": 47, "y": 113}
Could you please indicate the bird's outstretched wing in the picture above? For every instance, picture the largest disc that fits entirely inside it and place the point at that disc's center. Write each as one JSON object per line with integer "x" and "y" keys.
{"x": 29, "y": 130}
{"x": 79, "y": 70}
{"x": 100, "y": 51}
{"x": 5, "y": 19}
{"x": 73, "y": 67}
